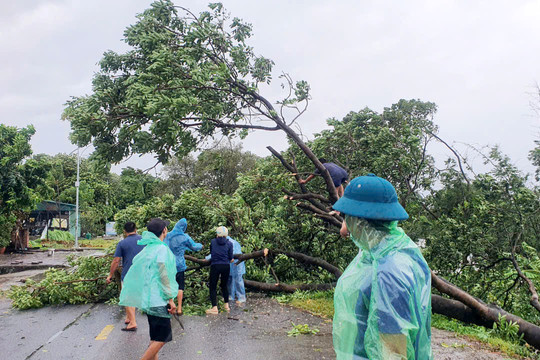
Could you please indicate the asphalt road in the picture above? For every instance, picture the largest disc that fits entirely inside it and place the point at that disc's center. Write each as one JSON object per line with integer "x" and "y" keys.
{"x": 258, "y": 331}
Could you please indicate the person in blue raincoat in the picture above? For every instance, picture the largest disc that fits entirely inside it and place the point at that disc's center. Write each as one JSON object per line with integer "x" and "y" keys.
{"x": 236, "y": 276}
{"x": 178, "y": 241}
{"x": 382, "y": 302}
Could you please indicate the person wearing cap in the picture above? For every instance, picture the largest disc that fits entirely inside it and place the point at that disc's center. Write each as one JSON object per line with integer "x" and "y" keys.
{"x": 178, "y": 241}
{"x": 382, "y": 302}
{"x": 221, "y": 256}
{"x": 150, "y": 285}
{"x": 337, "y": 173}
{"x": 126, "y": 251}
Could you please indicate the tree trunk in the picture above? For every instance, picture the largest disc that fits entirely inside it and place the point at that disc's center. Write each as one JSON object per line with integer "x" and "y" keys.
{"x": 469, "y": 309}
{"x": 463, "y": 306}
{"x": 285, "y": 287}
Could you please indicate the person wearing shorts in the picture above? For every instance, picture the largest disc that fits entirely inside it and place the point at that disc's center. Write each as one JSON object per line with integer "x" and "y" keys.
{"x": 150, "y": 285}
{"x": 338, "y": 174}
{"x": 178, "y": 241}
{"x": 125, "y": 252}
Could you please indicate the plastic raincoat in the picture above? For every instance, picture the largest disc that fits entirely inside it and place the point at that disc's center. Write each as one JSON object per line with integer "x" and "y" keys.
{"x": 239, "y": 269}
{"x": 151, "y": 279}
{"x": 382, "y": 301}
{"x": 235, "y": 283}
{"x": 178, "y": 241}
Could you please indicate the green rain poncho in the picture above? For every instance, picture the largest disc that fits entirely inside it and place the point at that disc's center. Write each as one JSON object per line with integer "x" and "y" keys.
{"x": 151, "y": 279}
{"x": 382, "y": 301}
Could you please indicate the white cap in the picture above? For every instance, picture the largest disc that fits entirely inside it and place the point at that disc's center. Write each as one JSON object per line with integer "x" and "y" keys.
{"x": 222, "y": 231}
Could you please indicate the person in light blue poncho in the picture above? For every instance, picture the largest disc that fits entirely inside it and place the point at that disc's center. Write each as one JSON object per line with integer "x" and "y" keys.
{"x": 236, "y": 276}
{"x": 178, "y": 241}
{"x": 150, "y": 285}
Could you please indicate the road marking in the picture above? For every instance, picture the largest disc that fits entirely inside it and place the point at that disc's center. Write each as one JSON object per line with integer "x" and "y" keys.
{"x": 54, "y": 336}
{"x": 105, "y": 332}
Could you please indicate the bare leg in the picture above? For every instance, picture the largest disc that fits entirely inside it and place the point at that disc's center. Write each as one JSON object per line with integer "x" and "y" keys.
{"x": 180, "y": 298}
{"x": 151, "y": 352}
{"x": 130, "y": 316}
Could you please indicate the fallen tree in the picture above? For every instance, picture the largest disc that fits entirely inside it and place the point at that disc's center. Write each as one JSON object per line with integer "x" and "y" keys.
{"x": 463, "y": 306}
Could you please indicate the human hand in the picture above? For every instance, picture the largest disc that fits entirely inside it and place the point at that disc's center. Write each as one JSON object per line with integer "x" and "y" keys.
{"x": 302, "y": 181}
{"x": 171, "y": 308}
{"x": 344, "y": 232}
{"x": 108, "y": 280}
{"x": 265, "y": 252}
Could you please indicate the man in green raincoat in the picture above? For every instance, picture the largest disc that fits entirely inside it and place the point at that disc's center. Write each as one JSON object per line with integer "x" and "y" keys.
{"x": 150, "y": 285}
{"x": 382, "y": 302}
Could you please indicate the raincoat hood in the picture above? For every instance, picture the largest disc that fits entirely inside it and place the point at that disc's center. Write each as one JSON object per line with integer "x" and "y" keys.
{"x": 149, "y": 238}
{"x": 178, "y": 241}
{"x": 179, "y": 228}
{"x": 222, "y": 240}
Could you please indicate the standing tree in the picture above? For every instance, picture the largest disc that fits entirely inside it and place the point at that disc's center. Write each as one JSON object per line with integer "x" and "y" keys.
{"x": 19, "y": 177}
{"x": 216, "y": 168}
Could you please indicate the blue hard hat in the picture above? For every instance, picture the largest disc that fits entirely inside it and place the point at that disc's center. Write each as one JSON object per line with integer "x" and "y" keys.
{"x": 371, "y": 197}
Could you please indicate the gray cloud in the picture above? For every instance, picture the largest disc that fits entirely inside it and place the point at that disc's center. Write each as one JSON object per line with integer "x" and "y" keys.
{"x": 478, "y": 61}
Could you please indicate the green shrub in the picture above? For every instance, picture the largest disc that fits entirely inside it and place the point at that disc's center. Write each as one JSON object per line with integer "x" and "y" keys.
{"x": 61, "y": 286}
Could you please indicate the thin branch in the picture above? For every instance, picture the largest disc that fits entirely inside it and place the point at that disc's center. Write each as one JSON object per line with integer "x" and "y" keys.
{"x": 295, "y": 196}
{"x": 80, "y": 280}
{"x": 458, "y": 157}
{"x": 532, "y": 289}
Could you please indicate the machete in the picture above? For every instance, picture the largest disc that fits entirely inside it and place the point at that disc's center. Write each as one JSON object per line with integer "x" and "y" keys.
{"x": 176, "y": 317}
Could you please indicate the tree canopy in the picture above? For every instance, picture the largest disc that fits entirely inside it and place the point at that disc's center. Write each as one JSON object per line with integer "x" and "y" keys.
{"x": 185, "y": 78}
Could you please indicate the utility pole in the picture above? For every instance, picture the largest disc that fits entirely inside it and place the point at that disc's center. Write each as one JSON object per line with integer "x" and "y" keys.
{"x": 77, "y": 199}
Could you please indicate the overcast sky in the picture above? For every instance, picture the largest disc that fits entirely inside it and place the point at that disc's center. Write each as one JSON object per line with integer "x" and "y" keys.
{"x": 478, "y": 61}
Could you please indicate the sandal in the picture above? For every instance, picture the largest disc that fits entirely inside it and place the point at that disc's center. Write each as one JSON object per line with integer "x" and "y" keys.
{"x": 129, "y": 329}
{"x": 212, "y": 312}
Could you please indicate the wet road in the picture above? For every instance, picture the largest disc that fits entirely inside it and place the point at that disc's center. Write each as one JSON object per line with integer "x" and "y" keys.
{"x": 258, "y": 331}
{"x": 15, "y": 268}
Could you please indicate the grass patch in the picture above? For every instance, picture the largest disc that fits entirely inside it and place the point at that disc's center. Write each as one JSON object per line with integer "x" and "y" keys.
{"x": 503, "y": 339}
{"x": 98, "y": 243}
{"x": 497, "y": 339}
{"x": 320, "y": 303}
{"x": 62, "y": 244}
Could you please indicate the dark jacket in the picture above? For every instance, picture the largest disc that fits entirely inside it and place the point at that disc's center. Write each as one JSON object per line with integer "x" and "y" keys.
{"x": 221, "y": 250}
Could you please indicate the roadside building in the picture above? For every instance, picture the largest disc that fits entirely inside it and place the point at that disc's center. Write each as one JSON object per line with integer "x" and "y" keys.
{"x": 52, "y": 215}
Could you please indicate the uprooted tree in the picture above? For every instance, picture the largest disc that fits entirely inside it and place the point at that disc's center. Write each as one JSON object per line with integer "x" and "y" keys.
{"x": 188, "y": 78}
